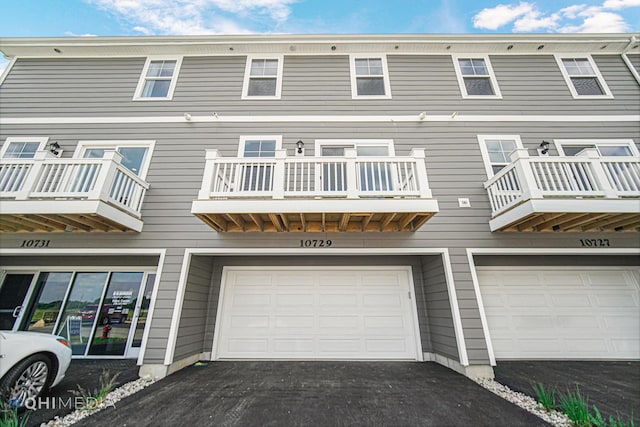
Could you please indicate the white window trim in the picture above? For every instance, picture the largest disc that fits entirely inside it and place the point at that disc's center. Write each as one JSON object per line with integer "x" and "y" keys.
{"x": 245, "y": 138}
{"x": 629, "y": 63}
{"x": 485, "y": 153}
{"x": 247, "y": 76}
{"x": 43, "y": 140}
{"x": 319, "y": 143}
{"x": 561, "y": 143}
{"x": 594, "y": 67}
{"x": 492, "y": 77}
{"x": 143, "y": 77}
{"x": 144, "y": 169}
{"x": 385, "y": 77}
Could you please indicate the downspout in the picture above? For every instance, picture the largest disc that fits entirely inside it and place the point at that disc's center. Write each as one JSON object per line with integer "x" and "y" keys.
{"x": 633, "y": 43}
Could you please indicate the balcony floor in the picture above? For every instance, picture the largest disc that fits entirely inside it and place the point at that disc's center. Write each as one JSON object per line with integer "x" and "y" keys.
{"x": 33, "y": 216}
{"x": 316, "y": 215}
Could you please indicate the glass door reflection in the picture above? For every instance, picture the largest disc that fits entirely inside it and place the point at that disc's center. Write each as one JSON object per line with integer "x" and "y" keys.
{"x": 116, "y": 315}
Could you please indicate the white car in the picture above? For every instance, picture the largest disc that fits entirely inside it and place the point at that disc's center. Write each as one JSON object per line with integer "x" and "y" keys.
{"x": 30, "y": 363}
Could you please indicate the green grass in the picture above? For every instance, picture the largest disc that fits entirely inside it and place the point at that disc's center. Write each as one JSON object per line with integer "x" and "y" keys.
{"x": 546, "y": 398}
{"x": 576, "y": 407}
{"x": 9, "y": 416}
{"x": 93, "y": 398}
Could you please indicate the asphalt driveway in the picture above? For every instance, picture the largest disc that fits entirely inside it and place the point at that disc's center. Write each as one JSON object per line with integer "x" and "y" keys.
{"x": 614, "y": 387}
{"x": 314, "y": 394}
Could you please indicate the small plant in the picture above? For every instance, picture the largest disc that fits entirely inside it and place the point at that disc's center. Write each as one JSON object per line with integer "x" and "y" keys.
{"x": 92, "y": 399}
{"x": 619, "y": 422}
{"x": 9, "y": 416}
{"x": 546, "y": 398}
{"x": 597, "y": 420}
{"x": 576, "y": 408}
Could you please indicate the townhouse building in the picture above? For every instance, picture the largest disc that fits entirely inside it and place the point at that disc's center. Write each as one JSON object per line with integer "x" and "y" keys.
{"x": 463, "y": 199}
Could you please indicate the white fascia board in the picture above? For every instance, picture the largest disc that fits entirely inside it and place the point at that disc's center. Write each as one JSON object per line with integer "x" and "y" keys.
{"x": 613, "y": 206}
{"x": 48, "y": 207}
{"x": 511, "y": 44}
{"x": 313, "y": 206}
{"x": 321, "y": 119}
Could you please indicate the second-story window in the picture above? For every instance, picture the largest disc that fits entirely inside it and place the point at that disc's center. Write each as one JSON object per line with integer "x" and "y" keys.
{"x": 158, "y": 79}
{"x": 262, "y": 78}
{"x": 22, "y": 147}
{"x": 583, "y": 77}
{"x": 476, "y": 77}
{"x": 369, "y": 77}
{"x": 496, "y": 151}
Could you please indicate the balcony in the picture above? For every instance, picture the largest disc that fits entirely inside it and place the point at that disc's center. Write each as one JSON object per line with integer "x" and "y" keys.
{"x": 315, "y": 194}
{"x": 585, "y": 193}
{"x": 48, "y": 194}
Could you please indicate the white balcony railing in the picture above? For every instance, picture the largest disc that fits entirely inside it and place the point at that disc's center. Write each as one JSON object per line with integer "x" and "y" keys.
{"x": 583, "y": 176}
{"x": 46, "y": 178}
{"x": 283, "y": 177}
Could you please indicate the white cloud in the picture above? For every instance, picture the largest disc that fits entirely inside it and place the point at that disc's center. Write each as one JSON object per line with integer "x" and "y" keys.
{"x": 494, "y": 18}
{"x": 620, "y": 4}
{"x": 578, "y": 18}
{"x": 72, "y": 34}
{"x": 192, "y": 17}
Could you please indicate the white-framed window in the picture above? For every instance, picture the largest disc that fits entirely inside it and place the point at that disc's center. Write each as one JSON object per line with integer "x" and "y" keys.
{"x": 263, "y": 77}
{"x": 496, "y": 151}
{"x": 22, "y": 147}
{"x": 476, "y": 77}
{"x": 259, "y": 145}
{"x": 136, "y": 155}
{"x": 633, "y": 64}
{"x": 158, "y": 79}
{"x": 583, "y": 77}
{"x": 605, "y": 147}
{"x": 369, "y": 77}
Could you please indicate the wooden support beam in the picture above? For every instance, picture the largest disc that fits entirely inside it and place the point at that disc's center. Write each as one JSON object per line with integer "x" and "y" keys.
{"x": 366, "y": 220}
{"x": 276, "y": 222}
{"x": 579, "y": 221}
{"x": 407, "y": 220}
{"x": 303, "y": 222}
{"x": 285, "y": 222}
{"x": 236, "y": 219}
{"x": 215, "y": 222}
{"x": 323, "y": 227}
{"x": 387, "y": 220}
{"x": 45, "y": 222}
{"x": 539, "y": 219}
{"x": 82, "y": 224}
{"x": 344, "y": 221}
{"x": 27, "y": 225}
{"x": 604, "y": 222}
{"x": 257, "y": 221}
{"x": 6, "y": 225}
{"x": 421, "y": 219}
{"x": 556, "y": 223}
{"x": 630, "y": 221}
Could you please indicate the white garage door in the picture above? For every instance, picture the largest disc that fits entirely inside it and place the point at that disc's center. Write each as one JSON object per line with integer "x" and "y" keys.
{"x": 317, "y": 313}
{"x": 562, "y": 313}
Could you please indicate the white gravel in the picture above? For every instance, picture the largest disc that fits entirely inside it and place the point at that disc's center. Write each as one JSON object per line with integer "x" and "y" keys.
{"x": 527, "y": 403}
{"x": 110, "y": 400}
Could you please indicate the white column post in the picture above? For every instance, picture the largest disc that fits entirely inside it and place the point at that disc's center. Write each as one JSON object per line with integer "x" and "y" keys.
{"x": 351, "y": 155}
{"x": 602, "y": 180}
{"x": 104, "y": 180}
{"x": 278, "y": 174}
{"x": 522, "y": 163}
{"x": 422, "y": 181}
{"x": 207, "y": 177}
{"x": 28, "y": 185}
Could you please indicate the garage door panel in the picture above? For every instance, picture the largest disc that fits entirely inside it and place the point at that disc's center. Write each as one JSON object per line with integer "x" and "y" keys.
{"x": 360, "y": 313}
{"x": 573, "y": 314}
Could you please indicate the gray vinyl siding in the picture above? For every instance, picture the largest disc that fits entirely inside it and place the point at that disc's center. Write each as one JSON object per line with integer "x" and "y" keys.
{"x": 556, "y": 261}
{"x": 311, "y": 85}
{"x": 194, "y": 308}
{"x": 438, "y": 308}
{"x": 454, "y": 167}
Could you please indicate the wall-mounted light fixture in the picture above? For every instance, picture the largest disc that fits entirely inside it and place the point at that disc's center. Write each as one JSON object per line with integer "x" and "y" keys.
{"x": 543, "y": 148}
{"x": 54, "y": 148}
{"x": 300, "y": 146}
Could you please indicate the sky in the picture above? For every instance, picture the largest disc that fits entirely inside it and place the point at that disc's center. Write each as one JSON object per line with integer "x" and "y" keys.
{"x": 89, "y": 18}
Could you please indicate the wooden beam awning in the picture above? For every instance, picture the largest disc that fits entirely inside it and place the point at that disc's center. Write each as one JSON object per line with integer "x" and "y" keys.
{"x": 36, "y": 223}
{"x": 315, "y": 215}
{"x": 576, "y": 222}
